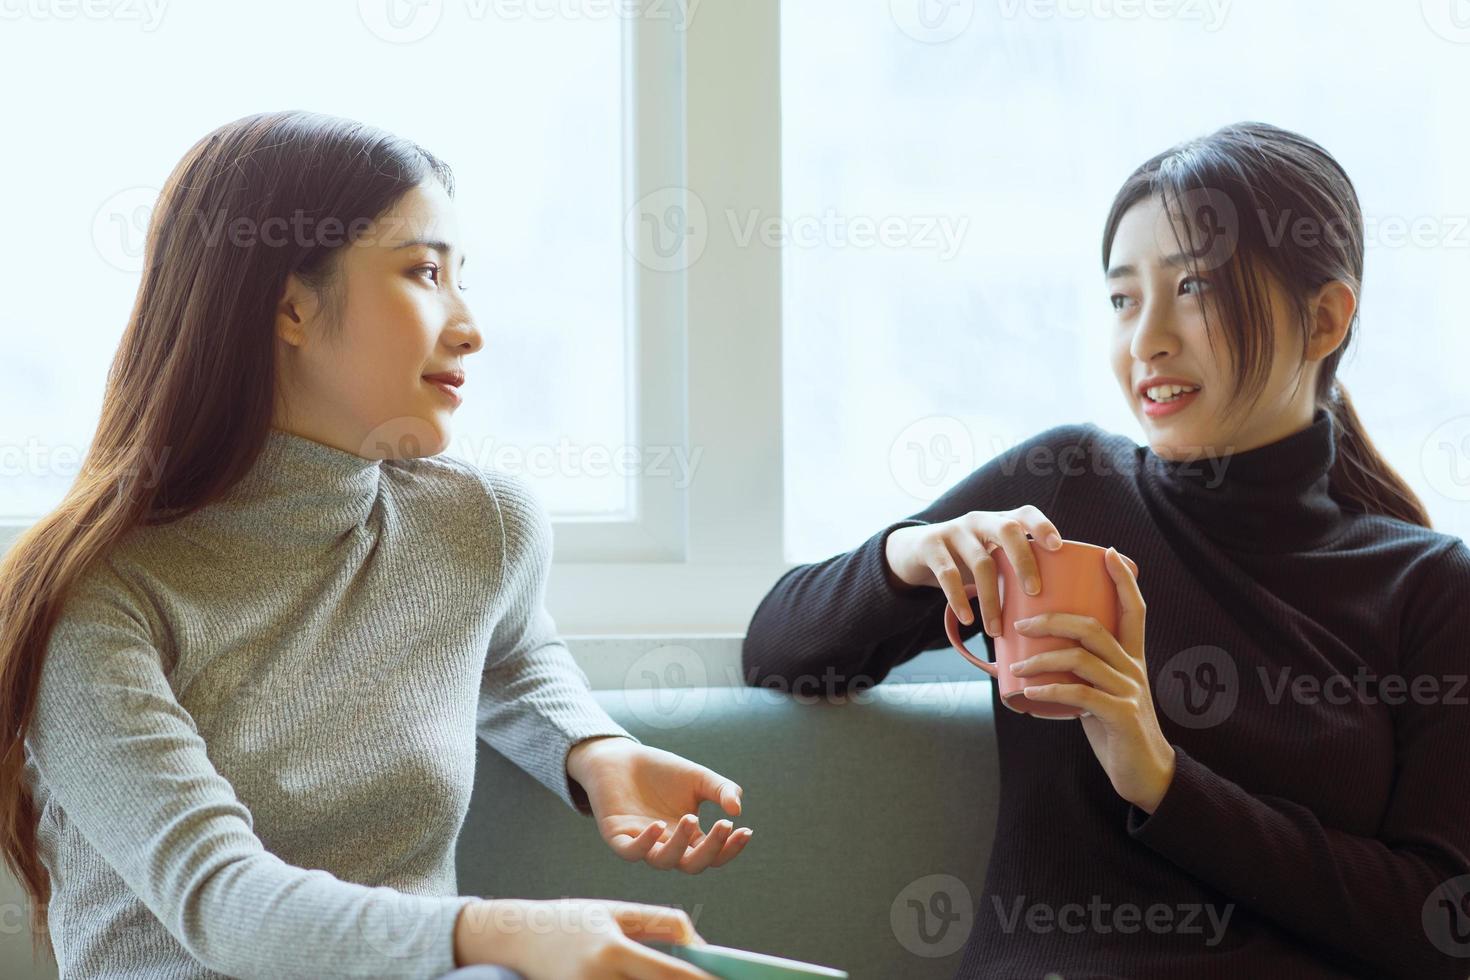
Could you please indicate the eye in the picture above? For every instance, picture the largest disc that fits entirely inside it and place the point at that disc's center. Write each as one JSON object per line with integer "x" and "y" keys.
{"x": 1201, "y": 281}
{"x": 432, "y": 268}
{"x": 1117, "y": 299}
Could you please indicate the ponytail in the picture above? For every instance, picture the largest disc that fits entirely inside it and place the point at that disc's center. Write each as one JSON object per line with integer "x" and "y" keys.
{"x": 1361, "y": 481}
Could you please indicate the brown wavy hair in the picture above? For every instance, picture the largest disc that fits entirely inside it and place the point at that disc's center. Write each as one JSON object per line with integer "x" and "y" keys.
{"x": 1264, "y": 204}
{"x": 191, "y": 391}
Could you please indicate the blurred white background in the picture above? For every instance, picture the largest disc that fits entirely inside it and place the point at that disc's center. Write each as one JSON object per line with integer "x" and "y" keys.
{"x": 527, "y": 110}
{"x": 884, "y": 271}
{"x": 1013, "y": 128}
{"x": 809, "y": 262}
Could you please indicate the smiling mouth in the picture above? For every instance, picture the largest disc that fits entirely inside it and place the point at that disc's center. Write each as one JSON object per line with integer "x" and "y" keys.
{"x": 1172, "y": 396}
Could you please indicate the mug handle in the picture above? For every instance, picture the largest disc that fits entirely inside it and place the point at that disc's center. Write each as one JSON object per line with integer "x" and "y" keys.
{"x": 952, "y": 630}
{"x": 952, "y": 623}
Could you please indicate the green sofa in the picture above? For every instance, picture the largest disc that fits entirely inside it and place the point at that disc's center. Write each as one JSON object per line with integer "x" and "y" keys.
{"x": 873, "y": 819}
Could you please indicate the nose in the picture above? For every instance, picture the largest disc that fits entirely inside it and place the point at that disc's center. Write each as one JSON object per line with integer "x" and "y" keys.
{"x": 462, "y": 332}
{"x": 1155, "y": 333}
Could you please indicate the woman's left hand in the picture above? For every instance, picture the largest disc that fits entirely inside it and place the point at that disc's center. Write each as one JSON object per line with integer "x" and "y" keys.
{"x": 646, "y": 803}
{"x": 1120, "y": 725}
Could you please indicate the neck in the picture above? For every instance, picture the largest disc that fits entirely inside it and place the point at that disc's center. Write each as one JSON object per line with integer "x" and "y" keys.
{"x": 307, "y": 493}
{"x": 1273, "y": 497}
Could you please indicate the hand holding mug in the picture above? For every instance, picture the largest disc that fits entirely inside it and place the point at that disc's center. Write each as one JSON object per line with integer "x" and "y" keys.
{"x": 956, "y": 553}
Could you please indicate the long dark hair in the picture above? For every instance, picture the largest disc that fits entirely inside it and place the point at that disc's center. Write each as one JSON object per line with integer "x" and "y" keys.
{"x": 191, "y": 391}
{"x": 1261, "y": 203}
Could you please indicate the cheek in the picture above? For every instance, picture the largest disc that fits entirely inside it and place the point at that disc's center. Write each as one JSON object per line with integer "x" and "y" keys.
{"x": 378, "y": 362}
{"x": 396, "y": 333}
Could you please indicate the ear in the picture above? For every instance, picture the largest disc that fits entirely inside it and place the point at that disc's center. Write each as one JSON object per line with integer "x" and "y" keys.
{"x": 1332, "y": 312}
{"x": 295, "y": 311}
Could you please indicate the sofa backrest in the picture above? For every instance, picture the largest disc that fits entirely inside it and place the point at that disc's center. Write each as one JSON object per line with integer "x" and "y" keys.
{"x": 873, "y": 819}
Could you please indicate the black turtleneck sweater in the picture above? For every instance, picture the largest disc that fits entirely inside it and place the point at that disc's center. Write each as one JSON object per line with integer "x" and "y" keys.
{"x": 1308, "y": 666}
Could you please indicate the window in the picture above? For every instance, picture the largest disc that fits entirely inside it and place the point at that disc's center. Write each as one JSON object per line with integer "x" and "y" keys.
{"x": 528, "y": 108}
{"x": 947, "y": 167}
{"x": 809, "y": 262}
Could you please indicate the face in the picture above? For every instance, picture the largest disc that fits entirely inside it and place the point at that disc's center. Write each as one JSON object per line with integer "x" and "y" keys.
{"x": 1159, "y": 331}
{"x": 402, "y": 313}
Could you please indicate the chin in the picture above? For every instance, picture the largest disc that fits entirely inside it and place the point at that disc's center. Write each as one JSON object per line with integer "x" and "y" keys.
{"x": 408, "y": 436}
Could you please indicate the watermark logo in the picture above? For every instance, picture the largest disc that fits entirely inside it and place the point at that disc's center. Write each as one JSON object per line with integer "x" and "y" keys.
{"x": 407, "y": 21}
{"x": 667, "y": 230}
{"x": 1445, "y": 459}
{"x": 148, "y": 14}
{"x": 403, "y": 437}
{"x": 932, "y": 21}
{"x": 674, "y": 683}
{"x": 400, "y": 21}
{"x": 1214, "y": 221}
{"x": 1102, "y": 917}
{"x": 933, "y": 916}
{"x": 1446, "y": 917}
{"x": 1198, "y": 687}
{"x": 942, "y": 234}
{"x": 930, "y": 454}
{"x": 394, "y": 924}
{"x": 1363, "y": 687}
{"x": 1211, "y": 14}
{"x": 120, "y": 228}
{"x": 1450, "y": 19}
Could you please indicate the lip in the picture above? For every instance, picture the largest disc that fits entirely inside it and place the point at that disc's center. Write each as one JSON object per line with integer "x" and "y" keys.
{"x": 1162, "y": 379}
{"x": 452, "y": 378}
{"x": 1156, "y": 410}
{"x": 446, "y": 388}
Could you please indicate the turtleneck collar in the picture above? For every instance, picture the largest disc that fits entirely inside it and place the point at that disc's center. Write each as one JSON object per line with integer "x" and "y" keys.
{"x": 298, "y": 492}
{"x": 1273, "y": 498}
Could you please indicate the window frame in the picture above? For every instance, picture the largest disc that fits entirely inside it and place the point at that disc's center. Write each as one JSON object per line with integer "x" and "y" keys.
{"x": 701, "y": 118}
{"x": 705, "y": 114}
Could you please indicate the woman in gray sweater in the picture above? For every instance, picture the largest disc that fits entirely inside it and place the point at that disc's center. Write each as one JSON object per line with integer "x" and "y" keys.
{"x": 246, "y": 659}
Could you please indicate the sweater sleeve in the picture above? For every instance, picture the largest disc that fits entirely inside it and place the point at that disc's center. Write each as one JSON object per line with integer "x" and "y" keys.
{"x": 535, "y": 700}
{"x": 1396, "y": 900}
{"x": 846, "y": 622}
{"x": 114, "y": 749}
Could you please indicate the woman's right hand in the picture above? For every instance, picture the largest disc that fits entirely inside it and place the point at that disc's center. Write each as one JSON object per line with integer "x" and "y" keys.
{"x": 951, "y": 554}
{"x": 575, "y": 939}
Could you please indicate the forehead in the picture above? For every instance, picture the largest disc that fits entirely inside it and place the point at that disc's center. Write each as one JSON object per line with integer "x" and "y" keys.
{"x": 423, "y": 213}
{"x": 1151, "y": 236}
{"x": 1139, "y": 231}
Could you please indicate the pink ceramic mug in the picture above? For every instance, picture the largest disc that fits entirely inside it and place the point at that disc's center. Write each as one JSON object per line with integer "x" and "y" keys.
{"x": 1074, "y": 579}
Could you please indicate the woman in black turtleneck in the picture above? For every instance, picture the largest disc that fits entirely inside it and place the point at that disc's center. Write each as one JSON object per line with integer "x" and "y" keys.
{"x": 1284, "y": 770}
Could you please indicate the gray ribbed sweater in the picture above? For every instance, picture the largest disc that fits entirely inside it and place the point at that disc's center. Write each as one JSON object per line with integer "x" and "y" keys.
{"x": 254, "y": 743}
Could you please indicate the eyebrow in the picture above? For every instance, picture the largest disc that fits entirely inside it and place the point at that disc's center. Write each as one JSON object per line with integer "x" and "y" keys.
{"x": 1177, "y": 260}
{"x": 444, "y": 248}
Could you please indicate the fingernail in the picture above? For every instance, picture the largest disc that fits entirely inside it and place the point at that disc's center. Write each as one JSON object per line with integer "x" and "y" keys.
{"x": 1022, "y": 623}
{"x": 1053, "y": 541}
{"x": 995, "y": 627}
{"x": 1032, "y": 585}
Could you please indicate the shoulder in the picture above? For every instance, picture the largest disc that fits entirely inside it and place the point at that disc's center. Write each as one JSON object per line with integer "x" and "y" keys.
{"x": 1435, "y": 560}
{"x": 105, "y": 632}
{"x": 1425, "y": 572}
{"x": 1095, "y": 438}
{"x": 516, "y": 519}
{"x": 1075, "y": 436}
{"x": 1078, "y": 448}
{"x": 104, "y": 595}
